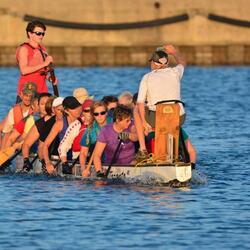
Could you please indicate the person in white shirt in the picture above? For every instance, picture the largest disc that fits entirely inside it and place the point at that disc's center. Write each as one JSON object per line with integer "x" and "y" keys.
{"x": 74, "y": 132}
{"x": 161, "y": 84}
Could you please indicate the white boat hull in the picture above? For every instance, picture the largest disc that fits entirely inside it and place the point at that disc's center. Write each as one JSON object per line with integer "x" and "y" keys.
{"x": 163, "y": 173}
{"x": 160, "y": 173}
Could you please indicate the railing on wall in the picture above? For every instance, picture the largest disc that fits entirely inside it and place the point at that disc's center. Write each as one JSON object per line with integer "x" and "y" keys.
{"x": 135, "y": 25}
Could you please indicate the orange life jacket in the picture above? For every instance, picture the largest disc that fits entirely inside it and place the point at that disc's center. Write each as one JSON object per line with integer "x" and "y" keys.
{"x": 18, "y": 113}
{"x": 35, "y": 56}
{"x": 33, "y": 59}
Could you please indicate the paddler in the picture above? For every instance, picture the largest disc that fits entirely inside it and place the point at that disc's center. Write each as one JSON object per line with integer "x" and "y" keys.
{"x": 72, "y": 111}
{"x": 32, "y": 58}
{"x": 161, "y": 84}
{"x": 41, "y": 129}
{"x": 19, "y": 111}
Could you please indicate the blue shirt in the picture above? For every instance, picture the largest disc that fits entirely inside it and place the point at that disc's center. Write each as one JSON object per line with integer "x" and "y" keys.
{"x": 89, "y": 137}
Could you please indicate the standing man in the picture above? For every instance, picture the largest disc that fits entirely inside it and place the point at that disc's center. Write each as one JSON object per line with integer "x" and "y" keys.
{"x": 32, "y": 58}
{"x": 161, "y": 84}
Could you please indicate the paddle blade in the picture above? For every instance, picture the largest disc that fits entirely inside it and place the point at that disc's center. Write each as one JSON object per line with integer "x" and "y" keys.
{"x": 6, "y": 154}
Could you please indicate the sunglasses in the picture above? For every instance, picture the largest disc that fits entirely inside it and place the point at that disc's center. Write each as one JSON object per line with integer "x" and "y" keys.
{"x": 86, "y": 110}
{"x": 38, "y": 33}
{"x": 101, "y": 113}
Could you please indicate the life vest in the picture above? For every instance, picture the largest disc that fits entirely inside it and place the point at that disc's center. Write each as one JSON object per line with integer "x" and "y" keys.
{"x": 34, "y": 59}
{"x": 35, "y": 56}
{"x": 76, "y": 147}
{"x": 18, "y": 113}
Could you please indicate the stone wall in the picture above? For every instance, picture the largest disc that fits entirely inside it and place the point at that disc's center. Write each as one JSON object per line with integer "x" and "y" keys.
{"x": 202, "y": 41}
{"x": 120, "y": 56}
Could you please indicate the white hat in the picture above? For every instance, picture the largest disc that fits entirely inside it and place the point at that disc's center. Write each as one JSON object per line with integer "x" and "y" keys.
{"x": 81, "y": 94}
{"x": 58, "y": 101}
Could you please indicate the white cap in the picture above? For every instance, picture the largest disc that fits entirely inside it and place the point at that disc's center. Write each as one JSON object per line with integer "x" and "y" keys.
{"x": 58, "y": 101}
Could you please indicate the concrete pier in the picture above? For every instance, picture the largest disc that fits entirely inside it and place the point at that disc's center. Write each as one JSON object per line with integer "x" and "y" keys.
{"x": 201, "y": 38}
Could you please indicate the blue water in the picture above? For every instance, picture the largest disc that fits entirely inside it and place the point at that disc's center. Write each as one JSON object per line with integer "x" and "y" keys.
{"x": 42, "y": 213}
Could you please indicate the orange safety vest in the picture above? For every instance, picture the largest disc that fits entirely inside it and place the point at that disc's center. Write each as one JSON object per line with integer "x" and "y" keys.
{"x": 18, "y": 113}
{"x": 35, "y": 57}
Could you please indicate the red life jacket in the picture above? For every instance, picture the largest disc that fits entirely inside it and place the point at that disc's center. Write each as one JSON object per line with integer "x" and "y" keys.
{"x": 18, "y": 114}
{"x": 35, "y": 56}
{"x": 76, "y": 147}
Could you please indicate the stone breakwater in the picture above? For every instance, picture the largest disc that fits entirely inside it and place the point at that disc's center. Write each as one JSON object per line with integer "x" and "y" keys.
{"x": 88, "y": 33}
{"x": 133, "y": 55}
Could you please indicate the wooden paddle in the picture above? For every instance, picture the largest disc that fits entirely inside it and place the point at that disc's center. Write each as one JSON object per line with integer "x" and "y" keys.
{"x": 53, "y": 80}
{"x": 8, "y": 153}
{"x": 90, "y": 163}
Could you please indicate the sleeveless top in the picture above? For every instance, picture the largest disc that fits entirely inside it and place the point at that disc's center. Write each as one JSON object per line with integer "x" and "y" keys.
{"x": 18, "y": 114}
{"x": 35, "y": 57}
{"x": 44, "y": 128}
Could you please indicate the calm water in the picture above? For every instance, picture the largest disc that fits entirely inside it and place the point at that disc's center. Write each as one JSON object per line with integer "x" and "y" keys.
{"x": 41, "y": 213}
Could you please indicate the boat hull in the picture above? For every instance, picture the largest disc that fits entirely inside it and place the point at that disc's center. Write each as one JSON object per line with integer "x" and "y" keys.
{"x": 155, "y": 173}
{"x": 163, "y": 173}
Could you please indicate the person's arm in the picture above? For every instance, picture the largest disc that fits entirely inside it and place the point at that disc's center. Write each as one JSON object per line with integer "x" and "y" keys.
{"x": 50, "y": 138}
{"x": 141, "y": 109}
{"x": 97, "y": 158}
{"x": 142, "y": 95}
{"x": 22, "y": 129}
{"x": 12, "y": 138}
{"x": 83, "y": 157}
{"x": 2, "y": 123}
{"x": 23, "y": 62}
{"x": 191, "y": 150}
{"x": 170, "y": 49}
{"x": 30, "y": 139}
{"x": 7, "y": 128}
{"x": 133, "y": 134}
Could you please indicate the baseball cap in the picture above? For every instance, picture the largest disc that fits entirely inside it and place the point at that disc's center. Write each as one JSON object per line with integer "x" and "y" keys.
{"x": 87, "y": 103}
{"x": 81, "y": 94}
{"x": 159, "y": 56}
{"x": 57, "y": 102}
{"x": 29, "y": 88}
{"x": 70, "y": 102}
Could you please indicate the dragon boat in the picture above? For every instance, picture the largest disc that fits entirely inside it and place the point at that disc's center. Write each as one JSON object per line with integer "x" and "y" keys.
{"x": 162, "y": 173}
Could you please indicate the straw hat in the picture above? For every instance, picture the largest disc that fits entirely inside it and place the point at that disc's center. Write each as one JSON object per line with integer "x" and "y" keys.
{"x": 81, "y": 94}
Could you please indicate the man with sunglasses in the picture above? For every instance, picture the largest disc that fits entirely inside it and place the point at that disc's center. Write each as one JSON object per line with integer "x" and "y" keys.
{"x": 32, "y": 58}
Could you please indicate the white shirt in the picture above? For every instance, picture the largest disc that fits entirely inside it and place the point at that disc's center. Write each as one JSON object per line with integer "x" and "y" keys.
{"x": 68, "y": 139}
{"x": 161, "y": 84}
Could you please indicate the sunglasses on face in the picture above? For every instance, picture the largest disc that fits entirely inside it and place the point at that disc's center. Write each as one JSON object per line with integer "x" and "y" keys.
{"x": 86, "y": 110}
{"x": 100, "y": 113}
{"x": 38, "y": 33}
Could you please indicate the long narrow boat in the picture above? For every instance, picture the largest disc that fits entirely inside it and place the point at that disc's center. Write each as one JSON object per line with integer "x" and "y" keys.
{"x": 179, "y": 173}
{"x": 162, "y": 173}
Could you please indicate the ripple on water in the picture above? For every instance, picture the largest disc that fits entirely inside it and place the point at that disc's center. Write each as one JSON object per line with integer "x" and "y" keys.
{"x": 42, "y": 213}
